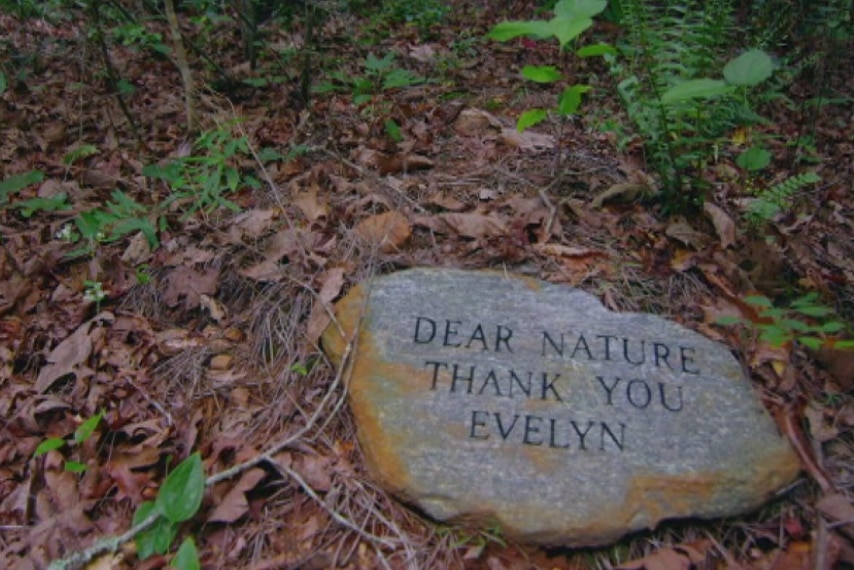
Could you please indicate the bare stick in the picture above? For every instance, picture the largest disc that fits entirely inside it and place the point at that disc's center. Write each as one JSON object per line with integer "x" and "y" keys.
{"x": 183, "y": 66}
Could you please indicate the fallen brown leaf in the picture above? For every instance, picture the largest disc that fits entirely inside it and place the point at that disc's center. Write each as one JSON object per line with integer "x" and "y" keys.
{"x": 387, "y": 231}
{"x": 724, "y": 226}
{"x": 234, "y": 504}
{"x": 333, "y": 281}
{"x": 70, "y": 355}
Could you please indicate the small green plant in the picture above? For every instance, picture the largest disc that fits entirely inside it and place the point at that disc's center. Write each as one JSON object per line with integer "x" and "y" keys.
{"x": 380, "y": 75}
{"x": 683, "y": 94}
{"x": 393, "y": 131}
{"x": 804, "y": 321}
{"x": 94, "y": 293}
{"x": 83, "y": 432}
{"x": 118, "y": 218}
{"x": 178, "y": 500}
{"x": 571, "y": 19}
{"x": 201, "y": 182}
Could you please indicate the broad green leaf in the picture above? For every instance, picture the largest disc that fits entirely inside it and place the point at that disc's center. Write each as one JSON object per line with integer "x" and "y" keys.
{"x": 52, "y": 204}
{"x": 814, "y": 311}
{"x": 566, "y": 30}
{"x": 49, "y": 444}
{"x": 530, "y": 118}
{"x": 750, "y": 68}
{"x": 810, "y": 342}
{"x": 594, "y": 50}
{"x": 400, "y": 78}
{"x": 19, "y": 182}
{"x": 808, "y": 299}
{"x": 832, "y": 327}
{"x": 843, "y": 345}
{"x": 570, "y": 99}
{"x": 181, "y": 494}
{"x": 75, "y": 467}
{"x": 758, "y": 301}
{"x": 187, "y": 557}
{"x": 541, "y": 73}
{"x": 269, "y": 154}
{"x": 393, "y": 130}
{"x": 753, "y": 159}
{"x": 579, "y": 8}
{"x": 695, "y": 89}
{"x": 158, "y": 537}
{"x": 508, "y": 30}
{"x": 84, "y": 431}
{"x": 729, "y": 320}
{"x": 3, "y": 83}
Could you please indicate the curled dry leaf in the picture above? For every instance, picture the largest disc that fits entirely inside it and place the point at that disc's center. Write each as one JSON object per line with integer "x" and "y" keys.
{"x": 680, "y": 230}
{"x": 476, "y": 226}
{"x": 70, "y": 355}
{"x": 283, "y": 244}
{"x": 724, "y": 226}
{"x": 312, "y": 208}
{"x": 250, "y": 225}
{"x": 627, "y": 192}
{"x": 234, "y": 505}
{"x": 476, "y": 123}
{"x": 387, "y": 231}
{"x": 528, "y": 140}
{"x": 333, "y": 281}
{"x": 188, "y": 283}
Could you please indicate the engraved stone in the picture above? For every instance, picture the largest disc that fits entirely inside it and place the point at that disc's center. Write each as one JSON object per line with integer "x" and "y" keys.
{"x": 503, "y": 400}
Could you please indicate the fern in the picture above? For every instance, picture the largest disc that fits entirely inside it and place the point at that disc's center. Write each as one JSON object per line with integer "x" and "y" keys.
{"x": 667, "y": 45}
{"x": 778, "y": 198}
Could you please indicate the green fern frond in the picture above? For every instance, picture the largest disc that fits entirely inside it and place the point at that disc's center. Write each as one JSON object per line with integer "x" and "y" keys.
{"x": 778, "y": 198}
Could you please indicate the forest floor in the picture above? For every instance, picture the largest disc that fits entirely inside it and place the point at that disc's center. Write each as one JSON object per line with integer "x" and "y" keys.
{"x": 188, "y": 313}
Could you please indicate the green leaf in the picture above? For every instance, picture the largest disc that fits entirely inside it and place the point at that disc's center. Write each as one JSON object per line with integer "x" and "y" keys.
{"x": 753, "y": 159}
{"x": 808, "y": 299}
{"x": 3, "y": 83}
{"x": 843, "y": 345}
{"x": 85, "y": 430}
{"x": 378, "y": 65}
{"x": 832, "y": 327}
{"x": 813, "y": 311}
{"x": 75, "y": 467}
{"x": 393, "y": 130}
{"x": 695, "y": 89}
{"x": 594, "y": 50}
{"x": 400, "y": 78}
{"x": 181, "y": 494}
{"x": 49, "y": 444}
{"x": 158, "y": 537}
{"x": 268, "y": 154}
{"x": 187, "y": 557}
{"x": 19, "y": 182}
{"x": 570, "y": 99}
{"x": 82, "y": 151}
{"x": 567, "y": 30}
{"x": 541, "y": 73}
{"x": 508, "y": 30}
{"x": 729, "y": 320}
{"x": 758, "y": 301}
{"x": 52, "y": 204}
{"x": 810, "y": 342}
{"x": 579, "y": 8}
{"x": 530, "y": 118}
{"x": 750, "y": 68}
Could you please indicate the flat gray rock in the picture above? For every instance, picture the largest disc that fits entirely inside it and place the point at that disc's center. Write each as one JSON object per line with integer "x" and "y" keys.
{"x": 502, "y": 400}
